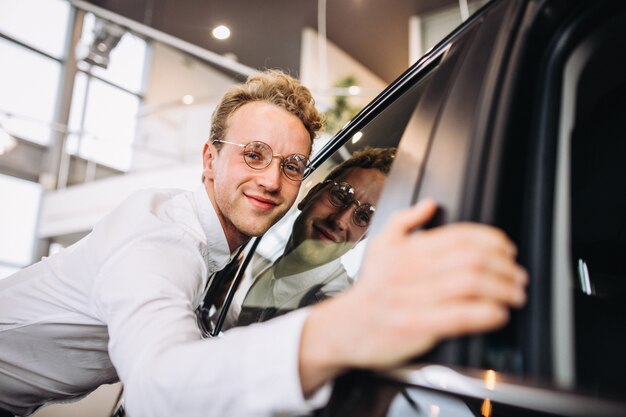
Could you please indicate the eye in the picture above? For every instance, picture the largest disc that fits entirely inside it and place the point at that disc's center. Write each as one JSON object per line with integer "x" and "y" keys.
{"x": 257, "y": 154}
{"x": 293, "y": 168}
{"x": 295, "y": 163}
{"x": 363, "y": 215}
{"x": 340, "y": 197}
{"x": 253, "y": 155}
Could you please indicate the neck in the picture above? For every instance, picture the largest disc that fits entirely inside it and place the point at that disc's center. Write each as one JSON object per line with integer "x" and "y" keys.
{"x": 234, "y": 237}
{"x": 292, "y": 262}
{"x": 287, "y": 266}
{"x": 236, "y": 242}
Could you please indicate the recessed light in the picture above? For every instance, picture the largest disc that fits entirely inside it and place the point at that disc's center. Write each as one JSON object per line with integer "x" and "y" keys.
{"x": 357, "y": 137}
{"x": 354, "y": 90}
{"x": 187, "y": 99}
{"x": 221, "y": 32}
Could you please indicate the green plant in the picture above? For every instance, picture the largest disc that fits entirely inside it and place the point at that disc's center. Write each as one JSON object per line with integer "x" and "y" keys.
{"x": 343, "y": 110}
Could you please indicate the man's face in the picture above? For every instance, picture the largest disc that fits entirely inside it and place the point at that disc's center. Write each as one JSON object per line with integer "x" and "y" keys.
{"x": 249, "y": 201}
{"x": 323, "y": 232}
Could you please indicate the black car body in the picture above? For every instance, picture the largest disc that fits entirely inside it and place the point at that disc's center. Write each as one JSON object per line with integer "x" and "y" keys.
{"x": 517, "y": 119}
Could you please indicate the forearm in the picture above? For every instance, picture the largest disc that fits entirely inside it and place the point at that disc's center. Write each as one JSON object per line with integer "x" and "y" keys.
{"x": 165, "y": 366}
{"x": 320, "y": 347}
{"x": 250, "y": 371}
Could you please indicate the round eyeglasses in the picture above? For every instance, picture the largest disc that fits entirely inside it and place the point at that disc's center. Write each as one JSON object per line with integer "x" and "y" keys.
{"x": 341, "y": 195}
{"x": 259, "y": 155}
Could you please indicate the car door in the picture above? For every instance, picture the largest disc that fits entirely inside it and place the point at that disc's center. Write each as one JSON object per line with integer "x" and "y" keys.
{"x": 530, "y": 138}
{"x": 480, "y": 125}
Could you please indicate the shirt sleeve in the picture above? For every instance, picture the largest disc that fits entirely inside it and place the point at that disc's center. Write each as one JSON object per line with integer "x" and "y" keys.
{"x": 144, "y": 295}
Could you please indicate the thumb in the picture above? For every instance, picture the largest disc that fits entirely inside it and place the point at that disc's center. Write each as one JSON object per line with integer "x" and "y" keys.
{"x": 410, "y": 219}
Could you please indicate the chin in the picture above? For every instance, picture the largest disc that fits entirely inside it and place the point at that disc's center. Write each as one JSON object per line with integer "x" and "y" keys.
{"x": 255, "y": 227}
{"x": 317, "y": 252}
{"x": 253, "y": 231}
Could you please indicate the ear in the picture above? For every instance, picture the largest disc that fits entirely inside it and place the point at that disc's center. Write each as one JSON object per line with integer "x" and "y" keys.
{"x": 310, "y": 195}
{"x": 208, "y": 158}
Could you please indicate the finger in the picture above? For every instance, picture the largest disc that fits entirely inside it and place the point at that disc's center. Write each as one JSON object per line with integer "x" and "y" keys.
{"x": 478, "y": 260}
{"x": 461, "y": 318}
{"x": 467, "y": 236}
{"x": 456, "y": 285}
{"x": 485, "y": 285}
{"x": 405, "y": 221}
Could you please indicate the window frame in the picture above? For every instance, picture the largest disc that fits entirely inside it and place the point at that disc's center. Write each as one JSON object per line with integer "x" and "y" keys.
{"x": 463, "y": 154}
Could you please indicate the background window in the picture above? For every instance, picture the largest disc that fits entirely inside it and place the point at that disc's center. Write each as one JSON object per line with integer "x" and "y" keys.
{"x": 18, "y": 214}
{"x": 105, "y": 117}
{"x": 105, "y": 101}
{"x": 38, "y": 23}
{"x": 28, "y": 89}
{"x": 126, "y": 65}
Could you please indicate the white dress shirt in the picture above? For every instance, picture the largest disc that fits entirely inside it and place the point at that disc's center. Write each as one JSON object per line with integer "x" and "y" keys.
{"x": 285, "y": 293}
{"x": 121, "y": 302}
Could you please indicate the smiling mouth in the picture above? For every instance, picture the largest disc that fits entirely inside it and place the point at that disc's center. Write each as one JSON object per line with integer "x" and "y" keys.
{"x": 261, "y": 203}
{"x": 325, "y": 235}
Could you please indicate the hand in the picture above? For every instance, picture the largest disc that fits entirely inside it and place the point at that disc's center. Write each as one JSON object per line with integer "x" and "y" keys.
{"x": 414, "y": 289}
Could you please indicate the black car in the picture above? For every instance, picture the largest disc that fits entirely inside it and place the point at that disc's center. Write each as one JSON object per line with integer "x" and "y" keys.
{"x": 517, "y": 119}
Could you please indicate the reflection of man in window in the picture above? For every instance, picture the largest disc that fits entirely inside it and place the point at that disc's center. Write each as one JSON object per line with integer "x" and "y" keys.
{"x": 335, "y": 216}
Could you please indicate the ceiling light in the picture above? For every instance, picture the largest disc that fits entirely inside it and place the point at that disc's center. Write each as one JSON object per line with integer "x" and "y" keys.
{"x": 357, "y": 137}
{"x": 221, "y": 32}
{"x": 354, "y": 90}
{"x": 106, "y": 36}
{"x": 187, "y": 99}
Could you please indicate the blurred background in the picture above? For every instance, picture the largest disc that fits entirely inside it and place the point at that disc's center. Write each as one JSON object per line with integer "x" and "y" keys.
{"x": 101, "y": 98}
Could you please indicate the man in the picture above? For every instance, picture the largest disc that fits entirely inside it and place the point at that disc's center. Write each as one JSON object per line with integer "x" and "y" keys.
{"x": 120, "y": 303}
{"x": 335, "y": 216}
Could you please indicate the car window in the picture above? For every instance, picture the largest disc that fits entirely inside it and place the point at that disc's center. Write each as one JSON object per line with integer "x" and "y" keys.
{"x": 598, "y": 218}
{"x": 315, "y": 251}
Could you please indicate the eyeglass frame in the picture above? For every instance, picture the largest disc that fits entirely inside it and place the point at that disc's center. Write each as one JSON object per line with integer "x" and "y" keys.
{"x": 352, "y": 201}
{"x": 283, "y": 159}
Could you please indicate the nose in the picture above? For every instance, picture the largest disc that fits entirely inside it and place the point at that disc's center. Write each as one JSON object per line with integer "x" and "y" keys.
{"x": 341, "y": 217}
{"x": 270, "y": 178}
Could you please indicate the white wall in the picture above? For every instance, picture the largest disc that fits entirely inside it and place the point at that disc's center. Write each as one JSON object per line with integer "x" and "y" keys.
{"x": 77, "y": 209}
{"x": 429, "y": 29}
{"x": 338, "y": 65}
{"x": 169, "y": 131}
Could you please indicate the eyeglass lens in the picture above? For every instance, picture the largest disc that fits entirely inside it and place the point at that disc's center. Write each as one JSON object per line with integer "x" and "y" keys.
{"x": 259, "y": 155}
{"x": 342, "y": 195}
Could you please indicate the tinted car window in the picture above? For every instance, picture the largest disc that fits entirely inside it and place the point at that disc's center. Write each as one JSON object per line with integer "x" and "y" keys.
{"x": 598, "y": 221}
{"x": 315, "y": 251}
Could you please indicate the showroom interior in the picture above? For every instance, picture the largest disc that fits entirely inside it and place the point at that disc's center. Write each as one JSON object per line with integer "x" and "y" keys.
{"x": 101, "y": 98}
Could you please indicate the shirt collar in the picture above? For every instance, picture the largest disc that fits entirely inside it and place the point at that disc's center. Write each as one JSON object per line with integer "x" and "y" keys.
{"x": 219, "y": 252}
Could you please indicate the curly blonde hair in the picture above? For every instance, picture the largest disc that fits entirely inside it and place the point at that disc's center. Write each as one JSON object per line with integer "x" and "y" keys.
{"x": 272, "y": 86}
{"x": 368, "y": 157}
